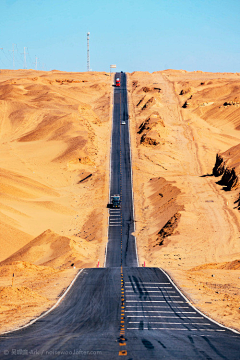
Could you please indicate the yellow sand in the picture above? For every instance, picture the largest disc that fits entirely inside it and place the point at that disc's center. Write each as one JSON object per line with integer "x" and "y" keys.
{"x": 54, "y": 132}
{"x": 206, "y": 225}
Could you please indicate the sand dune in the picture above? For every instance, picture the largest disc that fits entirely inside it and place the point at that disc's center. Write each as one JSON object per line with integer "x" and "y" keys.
{"x": 11, "y": 238}
{"x": 165, "y": 212}
{"x": 230, "y": 265}
{"x": 54, "y": 132}
{"x": 32, "y": 289}
{"x": 213, "y": 97}
{"x": 55, "y": 140}
{"x": 193, "y": 222}
{"x": 58, "y": 252}
{"x": 50, "y": 132}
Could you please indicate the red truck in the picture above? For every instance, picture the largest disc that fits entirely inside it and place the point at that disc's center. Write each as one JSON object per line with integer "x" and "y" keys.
{"x": 117, "y": 82}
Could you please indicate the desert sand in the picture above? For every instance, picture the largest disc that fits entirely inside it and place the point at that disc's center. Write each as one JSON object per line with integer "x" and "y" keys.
{"x": 187, "y": 222}
{"x": 54, "y": 169}
{"x": 54, "y": 166}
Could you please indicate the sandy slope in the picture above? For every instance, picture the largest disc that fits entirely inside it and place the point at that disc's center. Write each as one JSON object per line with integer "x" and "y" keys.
{"x": 184, "y": 219}
{"x": 54, "y": 141}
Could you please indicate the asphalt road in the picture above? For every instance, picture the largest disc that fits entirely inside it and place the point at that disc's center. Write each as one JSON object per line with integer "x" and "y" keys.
{"x": 121, "y": 249}
{"x": 122, "y": 311}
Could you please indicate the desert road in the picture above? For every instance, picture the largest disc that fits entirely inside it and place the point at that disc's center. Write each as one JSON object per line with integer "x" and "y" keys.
{"x": 122, "y": 310}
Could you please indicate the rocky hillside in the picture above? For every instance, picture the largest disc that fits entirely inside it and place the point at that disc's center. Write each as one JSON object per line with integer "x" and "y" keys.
{"x": 228, "y": 167}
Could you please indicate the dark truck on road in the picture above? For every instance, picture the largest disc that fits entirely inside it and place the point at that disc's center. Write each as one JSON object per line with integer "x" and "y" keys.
{"x": 115, "y": 201}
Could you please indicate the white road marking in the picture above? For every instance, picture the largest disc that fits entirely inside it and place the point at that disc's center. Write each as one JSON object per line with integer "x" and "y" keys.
{"x": 158, "y": 328}
{"x": 152, "y": 287}
{"x": 170, "y": 323}
{"x": 158, "y": 307}
{"x": 151, "y": 283}
{"x": 48, "y": 311}
{"x": 164, "y": 328}
{"x": 130, "y": 152}
{"x": 168, "y": 317}
{"x": 155, "y": 301}
{"x": 198, "y": 311}
{"x": 111, "y": 103}
{"x": 160, "y": 311}
{"x": 152, "y": 291}
{"x": 156, "y": 296}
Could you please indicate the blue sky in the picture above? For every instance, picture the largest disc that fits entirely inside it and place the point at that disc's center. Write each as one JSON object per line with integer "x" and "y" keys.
{"x": 147, "y": 35}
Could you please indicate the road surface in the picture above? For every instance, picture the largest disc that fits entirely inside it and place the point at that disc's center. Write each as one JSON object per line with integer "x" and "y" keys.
{"x": 122, "y": 310}
{"x": 121, "y": 249}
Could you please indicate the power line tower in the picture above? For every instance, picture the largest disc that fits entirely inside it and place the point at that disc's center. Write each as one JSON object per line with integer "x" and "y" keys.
{"x": 36, "y": 62}
{"x": 88, "y": 56}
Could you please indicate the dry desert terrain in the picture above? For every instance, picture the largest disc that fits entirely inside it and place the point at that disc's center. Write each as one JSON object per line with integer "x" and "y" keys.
{"x": 186, "y": 156}
{"x": 54, "y": 140}
{"x": 55, "y": 132}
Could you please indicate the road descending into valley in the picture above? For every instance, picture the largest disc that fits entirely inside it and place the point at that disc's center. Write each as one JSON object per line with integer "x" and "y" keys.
{"x": 122, "y": 310}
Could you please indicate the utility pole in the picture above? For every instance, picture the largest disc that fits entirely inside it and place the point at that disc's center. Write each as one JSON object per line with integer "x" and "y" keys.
{"x": 88, "y": 56}
{"x": 36, "y": 59}
{"x": 25, "y": 61}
